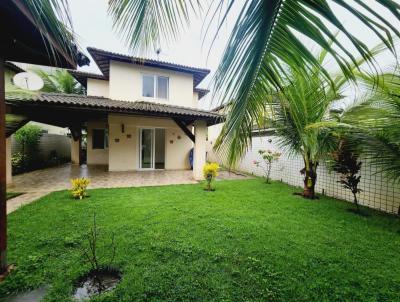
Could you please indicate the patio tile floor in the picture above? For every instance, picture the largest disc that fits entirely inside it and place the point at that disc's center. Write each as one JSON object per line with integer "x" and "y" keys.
{"x": 41, "y": 182}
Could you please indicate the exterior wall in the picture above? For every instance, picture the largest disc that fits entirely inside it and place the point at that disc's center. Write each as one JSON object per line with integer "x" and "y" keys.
{"x": 97, "y": 88}
{"x": 96, "y": 156}
{"x": 75, "y": 151}
{"x": 377, "y": 192}
{"x": 126, "y": 84}
{"x": 124, "y": 147}
{"x": 48, "y": 143}
{"x": 199, "y": 158}
{"x": 50, "y": 129}
{"x": 195, "y": 103}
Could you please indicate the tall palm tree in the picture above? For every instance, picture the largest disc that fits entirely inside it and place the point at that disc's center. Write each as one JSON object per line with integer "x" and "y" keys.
{"x": 264, "y": 42}
{"x": 304, "y": 101}
{"x": 59, "y": 81}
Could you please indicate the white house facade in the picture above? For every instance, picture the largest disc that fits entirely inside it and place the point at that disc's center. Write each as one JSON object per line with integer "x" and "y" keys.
{"x": 166, "y": 132}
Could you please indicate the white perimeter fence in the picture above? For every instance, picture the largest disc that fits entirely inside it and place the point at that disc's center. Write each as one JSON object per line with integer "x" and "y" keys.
{"x": 377, "y": 191}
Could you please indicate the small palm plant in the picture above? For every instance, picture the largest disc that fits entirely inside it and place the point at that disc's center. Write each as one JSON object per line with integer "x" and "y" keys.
{"x": 210, "y": 171}
{"x": 268, "y": 157}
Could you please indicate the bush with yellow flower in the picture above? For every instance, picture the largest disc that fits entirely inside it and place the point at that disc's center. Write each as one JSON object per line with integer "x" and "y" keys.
{"x": 210, "y": 171}
{"x": 79, "y": 187}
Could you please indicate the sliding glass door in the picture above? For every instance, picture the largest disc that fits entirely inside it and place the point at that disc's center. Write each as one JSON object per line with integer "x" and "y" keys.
{"x": 152, "y": 148}
{"x": 146, "y": 148}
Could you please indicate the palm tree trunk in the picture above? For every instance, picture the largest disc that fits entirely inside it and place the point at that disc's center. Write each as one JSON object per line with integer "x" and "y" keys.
{"x": 310, "y": 180}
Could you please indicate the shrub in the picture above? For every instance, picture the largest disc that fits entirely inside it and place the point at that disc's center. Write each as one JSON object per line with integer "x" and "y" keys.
{"x": 346, "y": 163}
{"x": 28, "y": 137}
{"x": 79, "y": 187}
{"x": 268, "y": 157}
{"x": 210, "y": 171}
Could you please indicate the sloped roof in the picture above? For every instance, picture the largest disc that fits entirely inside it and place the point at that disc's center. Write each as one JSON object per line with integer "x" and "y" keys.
{"x": 202, "y": 92}
{"x": 13, "y": 67}
{"x": 82, "y": 77}
{"x": 79, "y": 102}
{"x": 103, "y": 58}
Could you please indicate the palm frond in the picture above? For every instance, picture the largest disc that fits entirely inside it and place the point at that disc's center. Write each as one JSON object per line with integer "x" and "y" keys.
{"x": 142, "y": 23}
{"x": 60, "y": 81}
{"x": 53, "y": 19}
{"x": 264, "y": 42}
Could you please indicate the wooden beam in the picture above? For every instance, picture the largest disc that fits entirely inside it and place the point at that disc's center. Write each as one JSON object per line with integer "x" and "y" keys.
{"x": 3, "y": 174}
{"x": 76, "y": 132}
{"x": 184, "y": 128}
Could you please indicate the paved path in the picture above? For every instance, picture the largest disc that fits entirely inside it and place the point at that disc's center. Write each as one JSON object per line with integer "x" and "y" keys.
{"x": 41, "y": 182}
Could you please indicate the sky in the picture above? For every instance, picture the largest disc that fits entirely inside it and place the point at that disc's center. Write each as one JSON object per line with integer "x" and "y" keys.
{"x": 93, "y": 27}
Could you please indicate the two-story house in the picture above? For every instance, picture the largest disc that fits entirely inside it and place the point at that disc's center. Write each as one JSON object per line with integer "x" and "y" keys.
{"x": 153, "y": 122}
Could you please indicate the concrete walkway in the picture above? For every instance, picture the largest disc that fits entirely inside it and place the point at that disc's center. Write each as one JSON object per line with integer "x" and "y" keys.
{"x": 41, "y": 182}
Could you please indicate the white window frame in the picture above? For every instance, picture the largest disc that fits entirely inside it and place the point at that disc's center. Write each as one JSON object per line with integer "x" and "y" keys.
{"x": 155, "y": 82}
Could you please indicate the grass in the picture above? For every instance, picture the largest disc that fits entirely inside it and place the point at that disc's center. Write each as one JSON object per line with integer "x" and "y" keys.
{"x": 12, "y": 195}
{"x": 247, "y": 241}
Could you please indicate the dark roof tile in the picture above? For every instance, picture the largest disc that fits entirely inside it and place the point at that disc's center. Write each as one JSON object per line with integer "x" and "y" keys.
{"x": 109, "y": 105}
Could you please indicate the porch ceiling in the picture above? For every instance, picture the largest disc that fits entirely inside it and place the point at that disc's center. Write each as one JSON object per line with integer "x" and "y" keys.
{"x": 66, "y": 110}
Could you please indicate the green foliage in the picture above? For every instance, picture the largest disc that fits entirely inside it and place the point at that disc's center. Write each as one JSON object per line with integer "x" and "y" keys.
{"x": 28, "y": 138}
{"x": 347, "y": 164}
{"x": 268, "y": 157}
{"x": 79, "y": 187}
{"x": 210, "y": 171}
{"x": 377, "y": 118}
{"x": 53, "y": 19}
{"x": 60, "y": 81}
{"x": 245, "y": 242}
{"x": 262, "y": 46}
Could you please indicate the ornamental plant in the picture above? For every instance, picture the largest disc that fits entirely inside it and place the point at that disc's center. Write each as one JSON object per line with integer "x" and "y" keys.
{"x": 346, "y": 163}
{"x": 268, "y": 157}
{"x": 210, "y": 171}
{"x": 79, "y": 187}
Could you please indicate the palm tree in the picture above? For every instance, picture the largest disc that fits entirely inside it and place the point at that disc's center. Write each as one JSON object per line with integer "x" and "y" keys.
{"x": 304, "y": 101}
{"x": 262, "y": 46}
{"x": 59, "y": 81}
{"x": 372, "y": 122}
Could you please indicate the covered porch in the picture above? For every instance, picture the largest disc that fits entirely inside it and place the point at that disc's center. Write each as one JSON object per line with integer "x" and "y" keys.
{"x": 119, "y": 133}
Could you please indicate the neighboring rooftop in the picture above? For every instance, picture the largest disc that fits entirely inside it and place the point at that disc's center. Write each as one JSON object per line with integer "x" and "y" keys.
{"x": 82, "y": 77}
{"x": 13, "y": 67}
{"x": 106, "y": 105}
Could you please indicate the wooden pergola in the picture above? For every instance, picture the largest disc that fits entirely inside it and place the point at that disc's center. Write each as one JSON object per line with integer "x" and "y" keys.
{"x": 23, "y": 40}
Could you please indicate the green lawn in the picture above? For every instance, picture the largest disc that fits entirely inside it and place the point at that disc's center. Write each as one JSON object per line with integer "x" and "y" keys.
{"x": 247, "y": 241}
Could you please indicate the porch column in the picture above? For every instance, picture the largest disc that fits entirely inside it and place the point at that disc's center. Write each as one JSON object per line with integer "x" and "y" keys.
{"x": 8, "y": 161}
{"x": 199, "y": 158}
{"x": 76, "y": 151}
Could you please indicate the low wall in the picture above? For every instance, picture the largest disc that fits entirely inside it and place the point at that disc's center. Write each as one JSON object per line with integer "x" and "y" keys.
{"x": 377, "y": 191}
{"x": 48, "y": 143}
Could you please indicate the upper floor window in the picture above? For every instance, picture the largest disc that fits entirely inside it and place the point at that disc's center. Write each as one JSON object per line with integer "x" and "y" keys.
{"x": 155, "y": 86}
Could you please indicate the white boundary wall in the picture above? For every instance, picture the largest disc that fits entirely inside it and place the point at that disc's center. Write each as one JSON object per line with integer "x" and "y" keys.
{"x": 377, "y": 191}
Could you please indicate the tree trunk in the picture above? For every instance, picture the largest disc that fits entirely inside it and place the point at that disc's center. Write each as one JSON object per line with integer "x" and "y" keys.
{"x": 310, "y": 180}
{"x": 268, "y": 173}
{"x": 356, "y": 202}
{"x": 3, "y": 203}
